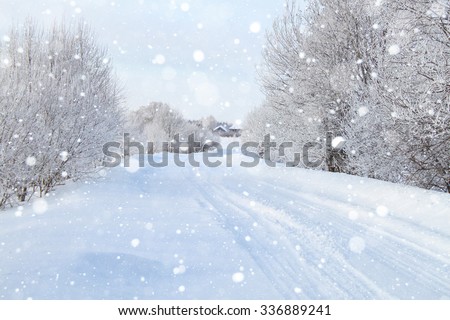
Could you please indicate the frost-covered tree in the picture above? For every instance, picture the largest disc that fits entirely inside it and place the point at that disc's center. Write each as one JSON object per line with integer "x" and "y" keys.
{"x": 59, "y": 104}
{"x": 376, "y": 73}
{"x": 418, "y": 89}
{"x": 158, "y": 123}
{"x": 347, "y": 41}
{"x": 284, "y": 77}
{"x": 209, "y": 123}
{"x": 256, "y": 126}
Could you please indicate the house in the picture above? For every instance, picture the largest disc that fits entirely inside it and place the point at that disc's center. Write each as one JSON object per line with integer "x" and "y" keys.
{"x": 235, "y": 130}
{"x": 222, "y": 130}
{"x": 228, "y": 130}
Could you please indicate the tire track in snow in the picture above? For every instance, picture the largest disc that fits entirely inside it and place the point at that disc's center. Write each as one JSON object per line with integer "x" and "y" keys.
{"x": 416, "y": 261}
{"x": 315, "y": 244}
{"x": 288, "y": 268}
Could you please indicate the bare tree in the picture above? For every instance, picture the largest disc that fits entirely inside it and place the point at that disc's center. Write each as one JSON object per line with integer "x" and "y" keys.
{"x": 59, "y": 104}
{"x": 156, "y": 123}
{"x": 378, "y": 75}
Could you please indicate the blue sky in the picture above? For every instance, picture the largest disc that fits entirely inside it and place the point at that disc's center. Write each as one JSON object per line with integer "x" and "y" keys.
{"x": 199, "y": 56}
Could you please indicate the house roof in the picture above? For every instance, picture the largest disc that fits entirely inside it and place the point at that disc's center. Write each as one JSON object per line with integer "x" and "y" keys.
{"x": 223, "y": 128}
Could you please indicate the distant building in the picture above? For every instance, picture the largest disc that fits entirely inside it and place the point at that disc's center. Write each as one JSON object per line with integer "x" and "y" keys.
{"x": 235, "y": 130}
{"x": 226, "y": 130}
{"x": 221, "y": 130}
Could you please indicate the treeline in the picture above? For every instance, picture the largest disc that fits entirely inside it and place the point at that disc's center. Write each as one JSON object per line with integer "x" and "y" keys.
{"x": 159, "y": 123}
{"x": 59, "y": 103}
{"x": 373, "y": 72}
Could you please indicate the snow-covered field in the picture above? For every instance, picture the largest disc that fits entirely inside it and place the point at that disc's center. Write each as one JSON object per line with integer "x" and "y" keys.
{"x": 228, "y": 233}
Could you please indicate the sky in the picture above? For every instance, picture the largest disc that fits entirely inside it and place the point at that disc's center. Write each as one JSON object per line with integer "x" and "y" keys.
{"x": 199, "y": 56}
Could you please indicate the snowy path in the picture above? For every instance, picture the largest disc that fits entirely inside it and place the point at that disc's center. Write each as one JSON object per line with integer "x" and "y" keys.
{"x": 228, "y": 233}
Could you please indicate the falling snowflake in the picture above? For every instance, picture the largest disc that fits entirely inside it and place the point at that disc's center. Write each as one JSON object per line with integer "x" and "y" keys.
{"x": 357, "y": 244}
{"x": 238, "y": 277}
{"x": 149, "y": 226}
{"x": 198, "y": 55}
{"x": 30, "y": 161}
{"x": 40, "y": 206}
{"x": 363, "y": 111}
{"x": 185, "y": 7}
{"x": 394, "y": 49}
{"x": 135, "y": 243}
{"x": 255, "y": 27}
{"x": 179, "y": 270}
{"x": 382, "y": 211}
{"x": 159, "y": 59}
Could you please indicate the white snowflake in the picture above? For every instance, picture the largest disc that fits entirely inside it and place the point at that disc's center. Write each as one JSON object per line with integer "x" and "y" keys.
{"x": 159, "y": 59}
{"x": 255, "y": 27}
{"x": 185, "y": 7}
{"x": 357, "y": 244}
{"x": 238, "y": 277}
{"x": 394, "y": 49}
{"x": 382, "y": 211}
{"x": 363, "y": 111}
{"x": 135, "y": 243}
{"x": 40, "y": 206}
{"x": 30, "y": 161}
{"x": 198, "y": 55}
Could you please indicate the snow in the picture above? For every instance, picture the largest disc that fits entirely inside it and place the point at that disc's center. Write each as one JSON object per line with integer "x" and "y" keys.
{"x": 39, "y": 206}
{"x": 198, "y": 55}
{"x": 357, "y": 244}
{"x": 135, "y": 243}
{"x": 133, "y": 165}
{"x": 185, "y": 7}
{"x": 255, "y": 27}
{"x": 338, "y": 142}
{"x": 238, "y": 277}
{"x": 159, "y": 59}
{"x": 394, "y": 50}
{"x": 168, "y": 233}
{"x": 30, "y": 161}
{"x": 382, "y": 211}
{"x": 353, "y": 215}
{"x": 363, "y": 111}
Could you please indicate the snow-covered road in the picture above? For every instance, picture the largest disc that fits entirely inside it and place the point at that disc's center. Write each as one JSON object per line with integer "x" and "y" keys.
{"x": 228, "y": 233}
